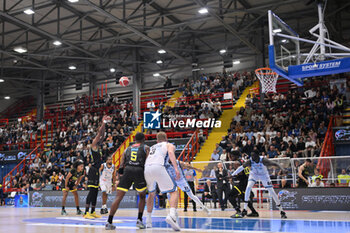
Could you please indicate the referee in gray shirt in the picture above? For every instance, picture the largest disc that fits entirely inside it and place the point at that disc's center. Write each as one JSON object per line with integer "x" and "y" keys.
{"x": 191, "y": 177}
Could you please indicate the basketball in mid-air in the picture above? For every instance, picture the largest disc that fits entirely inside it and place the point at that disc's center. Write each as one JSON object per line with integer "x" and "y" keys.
{"x": 124, "y": 81}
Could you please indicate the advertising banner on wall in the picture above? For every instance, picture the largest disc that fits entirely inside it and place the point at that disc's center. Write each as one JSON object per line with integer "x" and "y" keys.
{"x": 13, "y": 156}
{"x": 314, "y": 199}
{"x": 54, "y": 199}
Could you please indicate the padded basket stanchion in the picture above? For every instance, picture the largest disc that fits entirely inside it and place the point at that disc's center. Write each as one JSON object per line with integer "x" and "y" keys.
{"x": 268, "y": 79}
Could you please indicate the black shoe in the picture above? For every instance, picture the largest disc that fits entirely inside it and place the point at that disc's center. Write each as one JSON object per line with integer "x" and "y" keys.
{"x": 106, "y": 211}
{"x": 194, "y": 210}
{"x": 238, "y": 214}
{"x": 102, "y": 211}
{"x": 185, "y": 210}
{"x": 283, "y": 215}
{"x": 253, "y": 214}
{"x": 244, "y": 213}
{"x": 79, "y": 212}
{"x": 222, "y": 209}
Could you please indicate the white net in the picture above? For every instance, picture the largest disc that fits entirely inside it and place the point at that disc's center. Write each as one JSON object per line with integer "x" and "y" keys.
{"x": 268, "y": 79}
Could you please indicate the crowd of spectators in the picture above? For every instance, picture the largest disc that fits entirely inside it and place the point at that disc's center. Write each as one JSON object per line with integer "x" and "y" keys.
{"x": 284, "y": 125}
{"x": 14, "y": 136}
{"x": 72, "y": 141}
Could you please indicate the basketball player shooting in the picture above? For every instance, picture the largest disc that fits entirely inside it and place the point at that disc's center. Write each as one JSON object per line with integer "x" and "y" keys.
{"x": 258, "y": 171}
{"x": 156, "y": 173}
{"x": 94, "y": 173}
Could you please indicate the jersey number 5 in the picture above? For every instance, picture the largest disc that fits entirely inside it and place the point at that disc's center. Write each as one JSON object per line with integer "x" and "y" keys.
{"x": 133, "y": 156}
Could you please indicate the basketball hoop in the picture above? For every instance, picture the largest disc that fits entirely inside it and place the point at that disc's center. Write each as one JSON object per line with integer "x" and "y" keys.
{"x": 268, "y": 79}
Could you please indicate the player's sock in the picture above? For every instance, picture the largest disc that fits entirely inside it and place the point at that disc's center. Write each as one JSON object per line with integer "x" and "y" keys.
{"x": 275, "y": 198}
{"x": 140, "y": 216}
{"x": 77, "y": 208}
{"x": 245, "y": 205}
{"x": 87, "y": 209}
{"x": 148, "y": 217}
{"x": 173, "y": 213}
{"x": 92, "y": 209}
{"x": 110, "y": 219}
{"x": 63, "y": 207}
{"x": 280, "y": 207}
{"x": 195, "y": 199}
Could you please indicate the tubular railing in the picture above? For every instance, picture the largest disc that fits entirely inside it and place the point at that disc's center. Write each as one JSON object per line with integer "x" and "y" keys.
{"x": 20, "y": 168}
{"x": 191, "y": 148}
{"x": 327, "y": 148}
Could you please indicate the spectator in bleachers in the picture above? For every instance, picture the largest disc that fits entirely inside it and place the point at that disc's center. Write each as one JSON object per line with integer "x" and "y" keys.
{"x": 215, "y": 156}
{"x": 317, "y": 184}
{"x": 343, "y": 178}
{"x": 210, "y": 192}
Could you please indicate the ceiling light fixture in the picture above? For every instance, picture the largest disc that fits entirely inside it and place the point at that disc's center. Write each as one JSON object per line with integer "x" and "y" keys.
{"x": 159, "y": 62}
{"x": 112, "y": 70}
{"x": 236, "y": 62}
{"x": 156, "y": 75}
{"x": 161, "y": 51}
{"x": 73, "y": 1}
{"x": 20, "y": 50}
{"x": 203, "y": 11}
{"x": 72, "y": 67}
{"x": 7, "y": 97}
{"x": 222, "y": 51}
{"x": 1, "y": 80}
{"x": 277, "y": 30}
{"x": 28, "y": 11}
{"x": 57, "y": 42}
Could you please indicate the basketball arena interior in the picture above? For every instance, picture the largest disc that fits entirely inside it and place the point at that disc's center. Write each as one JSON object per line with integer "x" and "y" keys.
{"x": 174, "y": 115}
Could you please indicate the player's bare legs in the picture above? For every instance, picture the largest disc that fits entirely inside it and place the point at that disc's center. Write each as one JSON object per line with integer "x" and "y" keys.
{"x": 171, "y": 219}
{"x": 104, "y": 209}
{"x": 65, "y": 194}
{"x": 76, "y": 200}
{"x": 115, "y": 205}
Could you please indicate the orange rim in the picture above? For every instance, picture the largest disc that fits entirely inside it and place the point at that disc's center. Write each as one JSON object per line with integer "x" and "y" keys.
{"x": 262, "y": 71}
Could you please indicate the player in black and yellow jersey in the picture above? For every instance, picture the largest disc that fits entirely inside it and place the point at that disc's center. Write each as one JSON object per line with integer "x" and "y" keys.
{"x": 94, "y": 173}
{"x": 131, "y": 168}
{"x": 238, "y": 190}
{"x": 70, "y": 184}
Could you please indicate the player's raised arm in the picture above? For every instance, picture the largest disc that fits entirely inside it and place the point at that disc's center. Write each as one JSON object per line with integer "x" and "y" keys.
{"x": 171, "y": 152}
{"x": 268, "y": 162}
{"x": 100, "y": 133}
{"x": 241, "y": 168}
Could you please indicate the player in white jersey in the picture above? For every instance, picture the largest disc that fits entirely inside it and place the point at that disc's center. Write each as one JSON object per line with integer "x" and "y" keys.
{"x": 107, "y": 182}
{"x": 156, "y": 173}
{"x": 182, "y": 184}
{"x": 258, "y": 171}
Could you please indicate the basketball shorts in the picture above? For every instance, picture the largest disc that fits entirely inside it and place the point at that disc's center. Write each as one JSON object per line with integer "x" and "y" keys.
{"x": 264, "y": 178}
{"x": 93, "y": 177}
{"x": 132, "y": 175}
{"x": 157, "y": 174}
{"x": 182, "y": 182}
{"x": 106, "y": 187}
{"x": 71, "y": 186}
